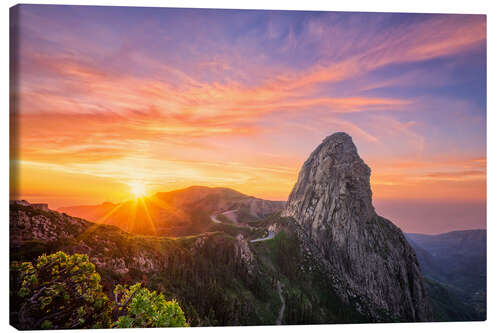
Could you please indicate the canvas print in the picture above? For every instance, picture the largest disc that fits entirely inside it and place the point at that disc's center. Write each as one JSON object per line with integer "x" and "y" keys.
{"x": 175, "y": 167}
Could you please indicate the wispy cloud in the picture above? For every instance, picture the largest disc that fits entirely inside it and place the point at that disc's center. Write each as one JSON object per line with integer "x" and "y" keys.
{"x": 184, "y": 97}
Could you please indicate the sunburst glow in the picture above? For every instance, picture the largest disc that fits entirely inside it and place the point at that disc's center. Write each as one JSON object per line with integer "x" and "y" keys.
{"x": 138, "y": 189}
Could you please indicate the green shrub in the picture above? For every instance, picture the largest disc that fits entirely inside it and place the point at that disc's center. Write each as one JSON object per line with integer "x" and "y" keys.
{"x": 60, "y": 291}
{"x": 139, "y": 307}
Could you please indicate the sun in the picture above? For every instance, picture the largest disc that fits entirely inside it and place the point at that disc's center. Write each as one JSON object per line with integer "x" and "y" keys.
{"x": 137, "y": 189}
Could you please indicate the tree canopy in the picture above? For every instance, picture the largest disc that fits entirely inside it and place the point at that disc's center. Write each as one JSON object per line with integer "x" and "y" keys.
{"x": 63, "y": 291}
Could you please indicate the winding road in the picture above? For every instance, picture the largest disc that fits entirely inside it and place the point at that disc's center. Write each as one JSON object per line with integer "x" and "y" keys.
{"x": 214, "y": 216}
{"x": 214, "y": 219}
{"x": 270, "y": 235}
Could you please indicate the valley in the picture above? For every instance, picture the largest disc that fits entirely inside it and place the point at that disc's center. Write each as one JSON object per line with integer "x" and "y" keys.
{"x": 456, "y": 262}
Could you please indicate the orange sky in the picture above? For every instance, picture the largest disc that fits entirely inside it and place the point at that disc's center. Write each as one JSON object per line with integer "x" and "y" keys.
{"x": 104, "y": 97}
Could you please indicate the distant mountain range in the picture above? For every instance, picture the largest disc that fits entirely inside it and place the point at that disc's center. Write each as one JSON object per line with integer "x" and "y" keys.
{"x": 456, "y": 260}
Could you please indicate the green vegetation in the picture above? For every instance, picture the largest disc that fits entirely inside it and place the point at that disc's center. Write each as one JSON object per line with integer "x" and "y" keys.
{"x": 59, "y": 291}
{"x": 268, "y": 220}
{"x": 454, "y": 265}
{"x": 214, "y": 286}
{"x": 63, "y": 291}
{"x": 234, "y": 230}
{"x": 449, "y": 304}
{"x": 309, "y": 298}
{"x": 139, "y": 307}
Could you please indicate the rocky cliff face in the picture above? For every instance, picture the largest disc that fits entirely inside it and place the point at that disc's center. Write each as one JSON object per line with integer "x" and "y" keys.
{"x": 367, "y": 258}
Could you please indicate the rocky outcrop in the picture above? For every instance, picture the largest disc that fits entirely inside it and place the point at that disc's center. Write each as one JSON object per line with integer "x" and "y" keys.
{"x": 367, "y": 258}
{"x": 109, "y": 247}
{"x": 27, "y": 223}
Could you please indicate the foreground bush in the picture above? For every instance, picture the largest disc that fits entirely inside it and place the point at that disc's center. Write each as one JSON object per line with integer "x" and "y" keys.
{"x": 63, "y": 291}
{"x": 143, "y": 308}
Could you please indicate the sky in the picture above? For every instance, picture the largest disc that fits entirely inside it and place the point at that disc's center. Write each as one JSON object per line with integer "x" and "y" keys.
{"x": 106, "y": 97}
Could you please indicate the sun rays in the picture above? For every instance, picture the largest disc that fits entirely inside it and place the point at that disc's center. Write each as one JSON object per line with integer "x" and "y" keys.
{"x": 148, "y": 215}
{"x": 127, "y": 212}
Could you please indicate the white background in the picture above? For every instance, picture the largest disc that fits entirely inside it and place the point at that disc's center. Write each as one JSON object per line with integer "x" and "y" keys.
{"x": 418, "y": 6}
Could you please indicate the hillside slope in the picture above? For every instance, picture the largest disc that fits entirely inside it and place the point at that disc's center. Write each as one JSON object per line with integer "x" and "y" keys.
{"x": 177, "y": 213}
{"x": 213, "y": 275}
{"x": 457, "y": 261}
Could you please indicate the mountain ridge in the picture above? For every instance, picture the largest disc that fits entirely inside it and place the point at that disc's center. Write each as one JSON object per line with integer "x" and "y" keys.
{"x": 457, "y": 260}
{"x": 180, "y": 212}
{"x": 160, "y": 193}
